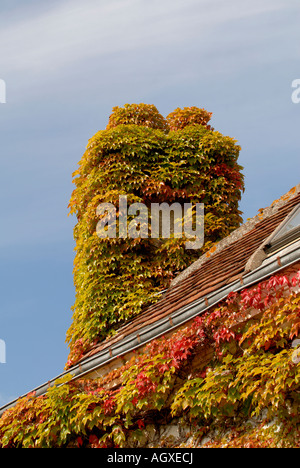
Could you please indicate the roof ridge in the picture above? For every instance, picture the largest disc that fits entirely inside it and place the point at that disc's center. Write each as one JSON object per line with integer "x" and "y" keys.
{"x": 238, "y": 233}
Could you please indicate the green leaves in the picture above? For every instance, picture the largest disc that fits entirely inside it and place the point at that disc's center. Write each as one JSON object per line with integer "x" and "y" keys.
{"x": 83, "y": 413}
{"x": 138, "y": 156}
{"x": 250, "y": 394}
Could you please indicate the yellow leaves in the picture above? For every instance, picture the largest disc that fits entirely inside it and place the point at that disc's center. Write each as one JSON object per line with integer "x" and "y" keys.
{"x": 137, "y": 156}
{"x": 263, "y": 378}
{"x": 236, "y": 386}
{"x": 180, "y": 118}
{"x": 137, "y": 114}
{"x": 253, "y": 382}
{"x": 278, "y": 325}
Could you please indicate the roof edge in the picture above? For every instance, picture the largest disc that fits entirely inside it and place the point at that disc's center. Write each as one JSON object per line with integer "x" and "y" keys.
{"x": 238, "y": 233}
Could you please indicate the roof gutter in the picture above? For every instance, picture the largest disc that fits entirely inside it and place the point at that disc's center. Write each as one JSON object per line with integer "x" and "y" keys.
{"x": 271, "y": 266}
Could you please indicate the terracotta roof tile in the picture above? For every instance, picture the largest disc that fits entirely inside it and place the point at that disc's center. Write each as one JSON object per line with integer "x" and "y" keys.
{"x": 225, "y": 265}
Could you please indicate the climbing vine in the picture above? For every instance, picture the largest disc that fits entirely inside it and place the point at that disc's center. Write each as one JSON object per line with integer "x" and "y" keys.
{"x": 149, "y": 159}
{"x": 245, "y": 395}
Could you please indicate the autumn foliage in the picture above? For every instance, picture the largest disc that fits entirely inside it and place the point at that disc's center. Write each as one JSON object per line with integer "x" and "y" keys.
{"x": 181, "y": 118}
{"x": 231, "y": 376}
{"x": 245, "y": 395}
{"x": 150, "y": 159}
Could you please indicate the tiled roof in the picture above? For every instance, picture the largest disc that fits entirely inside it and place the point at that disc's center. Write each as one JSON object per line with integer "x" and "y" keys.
{"x": 223, "y": 265}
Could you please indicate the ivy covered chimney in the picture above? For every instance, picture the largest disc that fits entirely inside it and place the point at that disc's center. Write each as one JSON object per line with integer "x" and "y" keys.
{"x": 149, "y": 159}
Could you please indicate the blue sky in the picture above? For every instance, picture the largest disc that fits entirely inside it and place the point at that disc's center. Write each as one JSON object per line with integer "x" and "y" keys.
{"x": 66, "y": 64}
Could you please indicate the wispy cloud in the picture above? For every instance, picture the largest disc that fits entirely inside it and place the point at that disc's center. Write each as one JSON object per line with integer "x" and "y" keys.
{"x": 46, "y": 41}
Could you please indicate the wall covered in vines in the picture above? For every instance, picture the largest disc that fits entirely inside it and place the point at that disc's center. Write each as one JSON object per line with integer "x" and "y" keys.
{"x": 150, "y": 159}
{"x": 230, "y": 378}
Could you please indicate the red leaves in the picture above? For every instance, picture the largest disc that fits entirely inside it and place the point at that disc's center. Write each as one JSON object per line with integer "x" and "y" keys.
{"x": 231, "y": 174}
{"x": 141, "y": 424}
{"x": 231, "y": 298}
{"x": 280, "y": 281}
{"x": 144, "y": 384}
{"x": 181, "y": 350}
{"x": 266, "y": 292}
{"x": 268, "y": 345}
{"x": 267, "y": 300}
{"x": 78, "y": 351}
{"x": 163, "y": 368}
{"x": 296, "y": 279}
{"x": 79, "y": 442}
{"x": 109, "y": 404}
{"x": 252, "y": 298}
{"x": 150, "y": 377}
{"x": 295, "y": 328}
{"x": 94, "y": 441}
{"x": 239, "y": 307}
{"x": 223, "y": 334}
